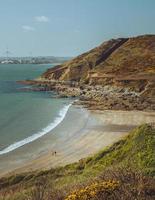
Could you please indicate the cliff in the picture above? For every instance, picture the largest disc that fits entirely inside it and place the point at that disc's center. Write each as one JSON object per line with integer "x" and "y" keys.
{"x": 117, "y": 75}
{"x": 127, "y": 62}
{"x": 78, "y": 68}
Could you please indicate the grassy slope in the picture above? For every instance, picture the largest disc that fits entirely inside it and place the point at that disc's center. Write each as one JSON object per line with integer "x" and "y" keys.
{"x": 134, "y": 151}
{"x": 136, "y": 55}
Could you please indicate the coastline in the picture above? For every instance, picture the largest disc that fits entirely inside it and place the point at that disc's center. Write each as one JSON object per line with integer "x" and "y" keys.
{"x": 39, "y": 134}
{"x": 82, "y": 133}
{"x": 109, "y": 97}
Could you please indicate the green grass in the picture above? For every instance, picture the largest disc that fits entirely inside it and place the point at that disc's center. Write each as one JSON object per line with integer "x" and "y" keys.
{"x": 135, "y": 151}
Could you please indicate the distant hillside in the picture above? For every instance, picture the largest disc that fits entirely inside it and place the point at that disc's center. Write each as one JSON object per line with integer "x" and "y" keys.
{"x": 119, "y": 62}
{"x": 128, "y": 161}
{"x": 34, "y": 60}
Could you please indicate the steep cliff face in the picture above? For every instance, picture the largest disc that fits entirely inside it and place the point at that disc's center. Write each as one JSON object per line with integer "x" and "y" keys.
{"x": 79, "y": 68}
{"x": 123, "y": 62}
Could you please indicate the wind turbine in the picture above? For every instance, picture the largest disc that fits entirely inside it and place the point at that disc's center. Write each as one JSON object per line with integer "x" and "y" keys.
{"x": 7, "y": 53}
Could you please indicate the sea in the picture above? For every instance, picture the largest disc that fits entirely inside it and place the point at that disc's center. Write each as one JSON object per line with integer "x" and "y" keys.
{"x": 26, "y": 116}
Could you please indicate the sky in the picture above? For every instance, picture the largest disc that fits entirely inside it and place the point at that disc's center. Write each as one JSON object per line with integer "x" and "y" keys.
{"x": 70, "y": 27}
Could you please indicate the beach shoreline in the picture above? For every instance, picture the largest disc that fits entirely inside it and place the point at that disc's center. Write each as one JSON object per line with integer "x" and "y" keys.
{"x": 82, "y": 133}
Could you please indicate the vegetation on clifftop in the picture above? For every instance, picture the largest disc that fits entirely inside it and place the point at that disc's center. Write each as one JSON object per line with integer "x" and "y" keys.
{"x": 129, "y": 162}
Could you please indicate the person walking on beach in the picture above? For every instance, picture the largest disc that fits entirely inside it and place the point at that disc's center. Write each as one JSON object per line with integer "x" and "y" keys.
{"x": 54, "y": 153}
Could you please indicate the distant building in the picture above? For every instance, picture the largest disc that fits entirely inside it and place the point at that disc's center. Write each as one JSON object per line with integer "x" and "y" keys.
{"x": 6, "y": 62}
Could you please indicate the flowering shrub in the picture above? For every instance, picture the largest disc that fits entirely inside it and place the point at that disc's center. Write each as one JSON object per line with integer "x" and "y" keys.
{"x": 93, "y": 190}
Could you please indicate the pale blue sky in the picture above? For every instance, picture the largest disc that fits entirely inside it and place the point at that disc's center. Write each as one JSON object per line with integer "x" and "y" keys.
{"x": 70, "y": 27}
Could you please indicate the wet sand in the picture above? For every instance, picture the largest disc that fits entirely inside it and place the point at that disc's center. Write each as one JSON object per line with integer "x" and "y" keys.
{"x": 80, "y": 134}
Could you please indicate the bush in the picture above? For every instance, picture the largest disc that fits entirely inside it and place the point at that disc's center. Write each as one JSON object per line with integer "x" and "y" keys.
{"x": 117, "y": 184}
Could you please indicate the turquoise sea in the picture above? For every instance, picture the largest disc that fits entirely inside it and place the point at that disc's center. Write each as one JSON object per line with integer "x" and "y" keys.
{"x": 26, "y": 116}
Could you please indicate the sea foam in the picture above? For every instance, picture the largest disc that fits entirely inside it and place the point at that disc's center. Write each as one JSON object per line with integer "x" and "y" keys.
{"x": 44, "y": 131}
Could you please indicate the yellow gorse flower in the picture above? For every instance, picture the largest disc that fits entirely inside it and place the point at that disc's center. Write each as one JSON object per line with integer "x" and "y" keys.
{"x": 92, "y": 190}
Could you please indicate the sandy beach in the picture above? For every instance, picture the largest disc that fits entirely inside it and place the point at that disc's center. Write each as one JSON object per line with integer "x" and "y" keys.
{"x": 80, "y": 134}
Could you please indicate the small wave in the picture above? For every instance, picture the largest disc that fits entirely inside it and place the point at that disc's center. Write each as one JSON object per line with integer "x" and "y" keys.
{"x": 35, "y": 136}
